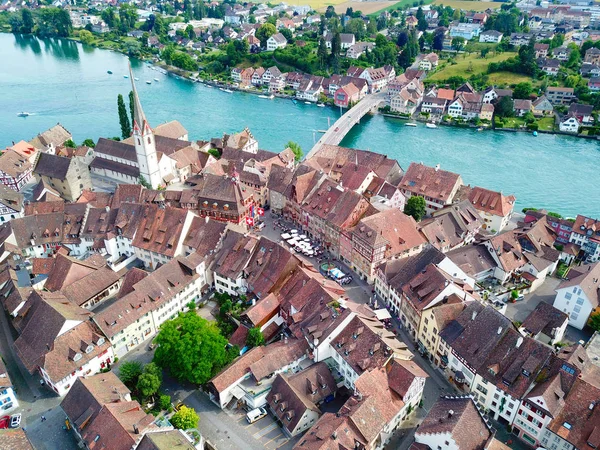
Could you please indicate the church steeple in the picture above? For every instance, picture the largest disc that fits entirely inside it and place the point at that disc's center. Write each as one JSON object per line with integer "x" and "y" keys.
{"x": 144, "y": 141}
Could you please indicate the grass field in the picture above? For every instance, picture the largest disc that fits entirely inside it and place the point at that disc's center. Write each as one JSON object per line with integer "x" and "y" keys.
{"x": 507, "y": 78}
{"x": 367, "y": 8}
{"x": 478, "y": 64}
{"x": 469, "y": 5}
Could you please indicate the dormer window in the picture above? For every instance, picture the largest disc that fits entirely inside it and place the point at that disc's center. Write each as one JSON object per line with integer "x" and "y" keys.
{"x": 89, "y": 349}
{"x": 100, "y": 341}
{"x": 77, "y": 357}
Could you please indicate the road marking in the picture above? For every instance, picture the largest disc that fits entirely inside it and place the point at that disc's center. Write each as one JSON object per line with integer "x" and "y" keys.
{"x": 265, "y": 430}
{"x": 276, "y": 437}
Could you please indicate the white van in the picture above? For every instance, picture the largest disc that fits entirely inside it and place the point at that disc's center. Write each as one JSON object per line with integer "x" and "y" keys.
{"x": 256, "y": 414}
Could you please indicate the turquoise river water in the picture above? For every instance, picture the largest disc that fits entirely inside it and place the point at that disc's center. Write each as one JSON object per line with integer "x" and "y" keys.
{"x": 62, "y": 81}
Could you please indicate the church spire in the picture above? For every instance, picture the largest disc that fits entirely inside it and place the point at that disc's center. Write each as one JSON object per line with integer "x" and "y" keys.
{"x": 139, "y": 118}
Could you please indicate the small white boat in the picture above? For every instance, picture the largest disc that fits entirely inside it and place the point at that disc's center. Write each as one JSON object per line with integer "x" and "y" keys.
{"x": 156, "y": 79}
{"x": 410, "y": 124}
{"x": 321, "y": 105}
{"x": 263, "y": 96}
{"x": 271, "y": 97}
{"x": 148, "y": 82}
{"x": 431, "y": 125}
{"x": 136, "y": 79}
{"x": 307, "y": 103}
{"x": 207, "y": 85}
{"x": 125, "y": 76}
{"x": 23, "y": 114}
{"x": 226, "y": 90}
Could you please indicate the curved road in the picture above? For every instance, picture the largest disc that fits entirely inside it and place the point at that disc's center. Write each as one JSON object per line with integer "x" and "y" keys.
{"x": 335, "y": 134}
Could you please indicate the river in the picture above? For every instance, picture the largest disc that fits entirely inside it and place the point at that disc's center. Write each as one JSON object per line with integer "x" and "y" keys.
{"x": 62, "y": 81}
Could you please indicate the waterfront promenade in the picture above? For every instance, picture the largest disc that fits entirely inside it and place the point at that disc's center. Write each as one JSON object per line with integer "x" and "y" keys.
{"x": 337, "y": 132}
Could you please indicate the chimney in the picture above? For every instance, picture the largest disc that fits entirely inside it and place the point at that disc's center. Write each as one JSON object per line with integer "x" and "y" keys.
{"x": 519, "y": 341}
{"x": 136, "y": 430}
{"x": 206, "y": 219}
{"x": 437, "y": 167}
{"x": 473, "y": 315}
{"x": 499, "y": 330}
{"x": 450, "y": 414}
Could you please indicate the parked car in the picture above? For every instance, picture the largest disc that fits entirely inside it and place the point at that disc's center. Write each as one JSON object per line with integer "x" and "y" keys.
{"x": 15, "y": 420}
{"x": 256, "y": 414}
{"x": 4, "y": 422}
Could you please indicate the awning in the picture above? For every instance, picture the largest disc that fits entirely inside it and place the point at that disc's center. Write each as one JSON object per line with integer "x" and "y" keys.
{"x": 382, "y": 314}
{"x": 459, "y": 377}
{"x": 238, "y": 392}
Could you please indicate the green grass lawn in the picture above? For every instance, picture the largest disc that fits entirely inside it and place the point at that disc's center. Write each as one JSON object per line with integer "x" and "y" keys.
{"x": 466, "y": 61}
{"x": 546, "y": 123}
{"x": 468, "y": 5}
{"x": 513, "y": 122}
{"x": 396, "y": 5}
{"x": 508, "y": 78}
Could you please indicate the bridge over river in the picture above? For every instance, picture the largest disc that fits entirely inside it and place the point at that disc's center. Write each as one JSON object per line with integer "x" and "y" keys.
{"x": 335, "y": 134}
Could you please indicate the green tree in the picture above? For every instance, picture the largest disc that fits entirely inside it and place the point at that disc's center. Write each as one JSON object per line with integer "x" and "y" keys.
{"x": 522, "y": 90}
{"x": 191, "y": 348}
{"x": 123, "y": 118}
{"x": 322, "y": 53}
{"x": 594, "y": 322}
{"x": 86, "y": 37}
{"x": 265, "y": 31}
{"x": 27, "y": 21}
{"x": 149, "y": 381}
{"x": 164, "y": 402}
{"x": 142, "y": 180}
{"x": 296, "y": 149}
{"x": 336, "y": 44}
{"x": 70, "y": 143}
{"x": 131, "y": 108}
{"x": 88, "y": 143}
{"x": 129, "y": 372}
{"x": 185, "y": 418}
{"x": 458, "y": 43}
{"x": 505, "y": 107}
{"x": 415, "y": 207}
{"x": 255, "y": 337}
{"x": 189, "y": 31}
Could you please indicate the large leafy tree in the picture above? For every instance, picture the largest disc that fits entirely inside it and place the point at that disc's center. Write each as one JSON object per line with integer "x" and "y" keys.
{"x": 129, "y": 372}
{"x": 185, "y": 418}
{"x": 265, "y": 32}
{"x": 415, "y": 207}
{"x": 505, "y": 107}
{"x": 191, "y": 348}
{"x": 27, "y": 19}
{"x": 149, "y": 381}
{"x": 123, "y": 118}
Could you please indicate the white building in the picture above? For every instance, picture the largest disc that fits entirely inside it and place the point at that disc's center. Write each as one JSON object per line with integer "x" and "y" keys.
{"x": 578, "y": 296}
{"x": 569, "y": 124}
{"x": 276, "y": 41}
{"x": 490, "y": 36}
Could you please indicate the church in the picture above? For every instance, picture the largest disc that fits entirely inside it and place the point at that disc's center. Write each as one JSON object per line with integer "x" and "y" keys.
{"x": 160, "y": 157}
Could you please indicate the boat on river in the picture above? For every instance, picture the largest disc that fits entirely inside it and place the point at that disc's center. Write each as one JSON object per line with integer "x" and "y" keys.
{"x": 148, "y": 82}
{"x": 109, "y": 72}
{"x": 307, "y": 103}
{"x": 125, "y": 76}
{"x": 321, "y": 105}
{"x": 136, "y": 79}
{"x": 535, "y": 133}
{"x": 430, "y": 125}
{"x": 263, "y": 96}
{"x": 156, "y": 79}
{"x": 23, "y": 114}
{"x": 229, "y": 91}
{"x": 410, "y": 124}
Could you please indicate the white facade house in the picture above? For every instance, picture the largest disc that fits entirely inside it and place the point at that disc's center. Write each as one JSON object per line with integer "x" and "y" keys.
{"x": 276, "y": 41}
{"x": 578, "y": 297}
{"x": 465, "y": 30}
{"x": 490, "y": 37}
{"x": 569, "y": 124}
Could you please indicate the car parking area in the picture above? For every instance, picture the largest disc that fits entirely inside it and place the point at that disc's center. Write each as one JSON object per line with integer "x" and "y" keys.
{"x": 266, "y": 431}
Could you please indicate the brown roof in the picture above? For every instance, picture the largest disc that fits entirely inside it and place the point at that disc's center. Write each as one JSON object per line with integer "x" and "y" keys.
{"x": 423, "y": 289}
{"x": 429, "y": 181}
{"x": 116, "y": 149}
{"x": 291, "y": 396}
{"x": 172, "y": 129}
{"x": 14, "y": 294}
{"x": 67, "y": 270}
{"x": 391, "y": 228}
{"x": 454, "y": 415}
{"x": 263, "y": 310}
{"x": 492, "y": 202}
{"x": 331, "y": 432}
{"x": 14, "y": 439}
{"x": 160, "y": 229}
{"x": 234, "y": 255}
{"x": 577, "y": 423}
{"x": 126, "y": 193}
{"x": 446, "y": 94}
{"x": 13, "y": 164}
{"x": 544, "y": 319}
{"x": 57, "y": 135}
{"x": 148, "y": 295}
{"x": 89, "y": 286}
{"x": 204, "y": 235}
{"x": 41, "y": 229}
